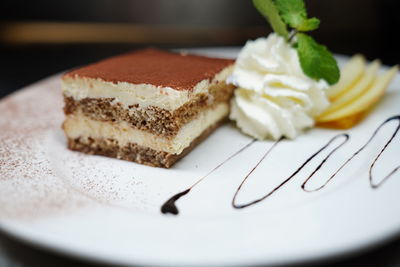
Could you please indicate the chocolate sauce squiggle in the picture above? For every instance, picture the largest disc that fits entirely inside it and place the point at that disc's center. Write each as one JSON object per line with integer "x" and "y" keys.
{"x": 345, "y": 140}
{"x": 170, "y": 206}
{"x": 383, "y": 150}
{"x": 241, "y": 206}
{"x": 373, "y": 163}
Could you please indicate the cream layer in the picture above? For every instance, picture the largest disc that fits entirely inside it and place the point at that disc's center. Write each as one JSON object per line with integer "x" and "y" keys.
{"x": 78, "y": 125}
{"x": 142, "y": 94}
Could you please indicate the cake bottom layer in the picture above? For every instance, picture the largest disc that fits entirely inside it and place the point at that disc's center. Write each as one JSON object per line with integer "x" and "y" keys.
{"x": 132, "y": 152}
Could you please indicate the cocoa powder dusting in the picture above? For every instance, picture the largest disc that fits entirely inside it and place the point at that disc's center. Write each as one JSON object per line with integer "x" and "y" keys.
{"x": 156, "y": 67}
{"x": 32, "y": 184}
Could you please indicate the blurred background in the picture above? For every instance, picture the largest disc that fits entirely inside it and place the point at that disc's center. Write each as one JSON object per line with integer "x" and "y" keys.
{"x": 43, "y": 37}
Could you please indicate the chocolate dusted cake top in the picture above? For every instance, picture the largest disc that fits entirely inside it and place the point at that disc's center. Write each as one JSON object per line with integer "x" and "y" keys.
{"x": 155, "y": 67}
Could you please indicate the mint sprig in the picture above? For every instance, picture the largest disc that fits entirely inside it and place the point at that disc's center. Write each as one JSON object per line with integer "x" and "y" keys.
{"x": 316, "y": 60}
{"x": 268, "y": 9}
{"x": 294, "y": 14}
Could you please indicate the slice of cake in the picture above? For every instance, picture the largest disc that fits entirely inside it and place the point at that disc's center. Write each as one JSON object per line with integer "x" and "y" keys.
{"x": 149, "y": 106}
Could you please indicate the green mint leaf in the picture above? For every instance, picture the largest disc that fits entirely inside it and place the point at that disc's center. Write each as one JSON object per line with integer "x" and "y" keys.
{"x": 316, "y": 60}
{"x": 293, "y": 13}
{"x": 308, "y": 25}
{"x": 268, "y": 9}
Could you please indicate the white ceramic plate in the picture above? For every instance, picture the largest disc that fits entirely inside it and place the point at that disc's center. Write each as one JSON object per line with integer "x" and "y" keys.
{"x": 109, "y": 210}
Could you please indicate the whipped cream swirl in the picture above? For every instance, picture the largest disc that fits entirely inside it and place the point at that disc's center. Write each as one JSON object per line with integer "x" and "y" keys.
{"x": 274, "y": 97}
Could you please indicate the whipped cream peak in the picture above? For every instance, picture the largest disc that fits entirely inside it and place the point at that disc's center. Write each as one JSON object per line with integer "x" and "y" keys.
{"x": 274, "y": 97}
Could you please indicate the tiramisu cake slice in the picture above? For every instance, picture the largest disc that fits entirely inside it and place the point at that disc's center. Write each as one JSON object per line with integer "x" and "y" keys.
{"x": 150, "y": 106}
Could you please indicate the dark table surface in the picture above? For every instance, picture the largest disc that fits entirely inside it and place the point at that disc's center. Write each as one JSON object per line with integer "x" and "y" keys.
{"x": 14, "y": 253}
{"x": 20, "y": 66}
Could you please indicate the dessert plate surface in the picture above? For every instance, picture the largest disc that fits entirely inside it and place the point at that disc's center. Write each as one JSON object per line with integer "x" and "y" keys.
{"x": 108, "y": 210}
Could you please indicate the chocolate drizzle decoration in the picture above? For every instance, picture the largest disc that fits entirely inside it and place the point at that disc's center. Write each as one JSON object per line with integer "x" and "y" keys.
{"x": 170, "y": 207}
{"x": 345, "y": 138}
{"x": 373, "y": 185}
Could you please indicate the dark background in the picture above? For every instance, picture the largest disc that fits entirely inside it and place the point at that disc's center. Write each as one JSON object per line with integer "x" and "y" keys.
{"x": 40, "y": 38}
